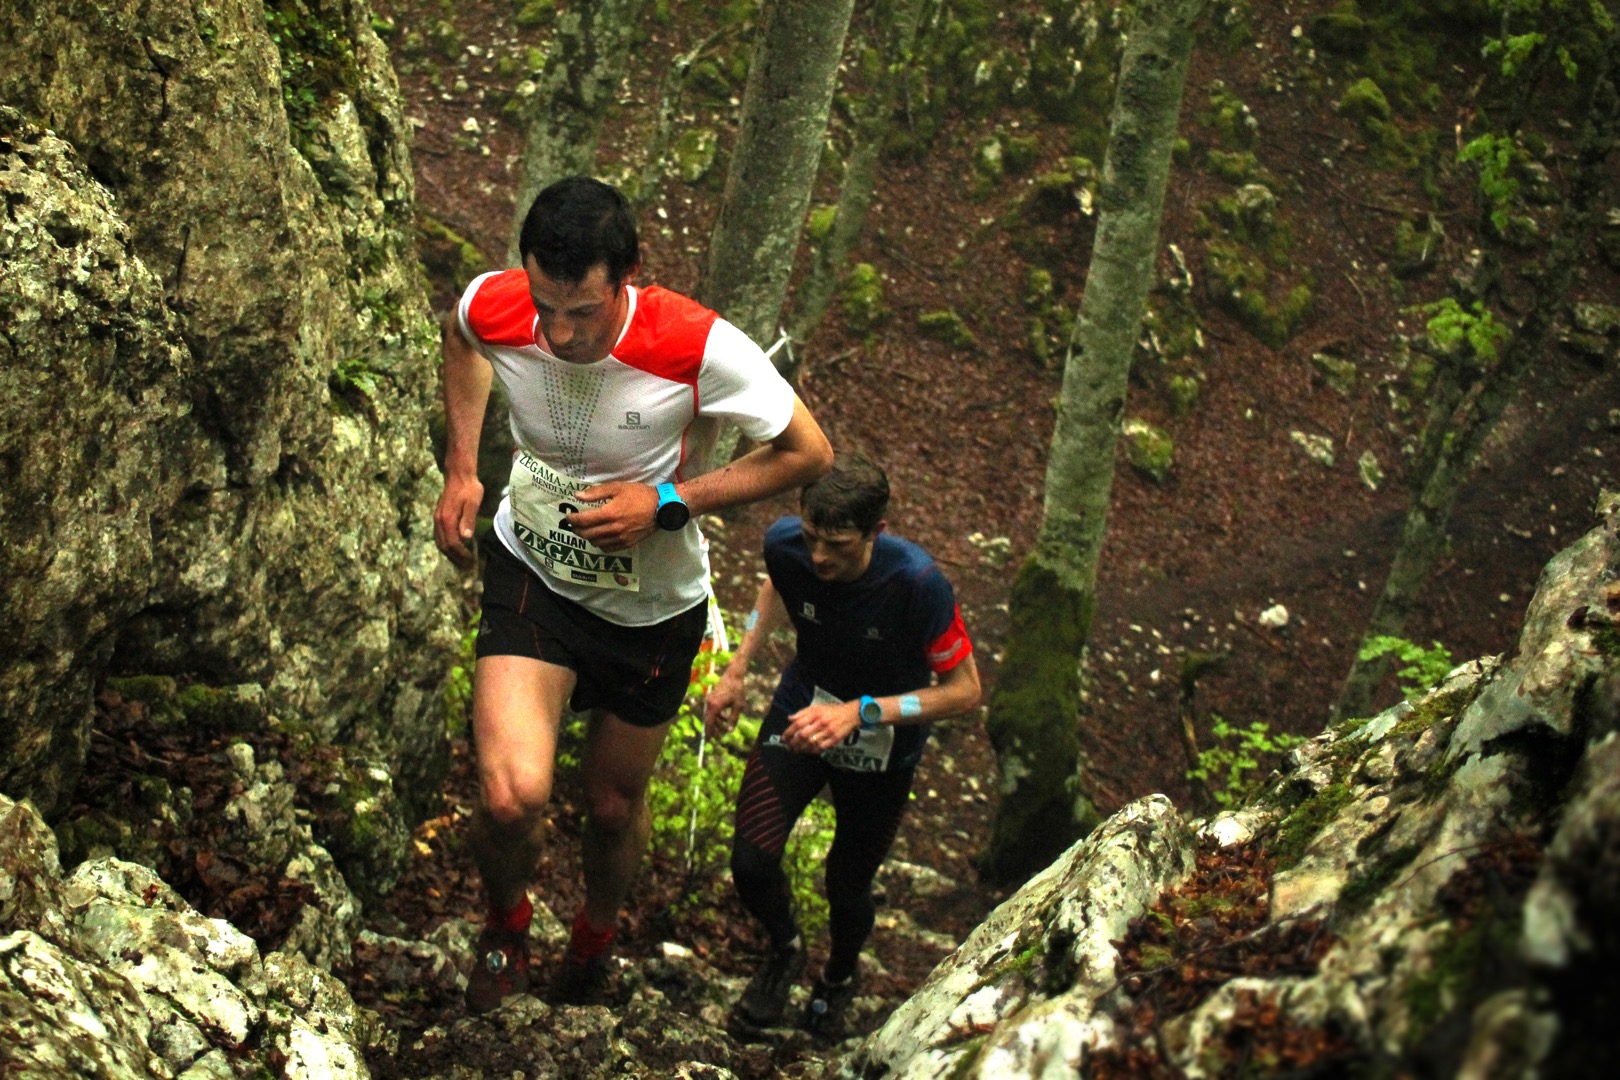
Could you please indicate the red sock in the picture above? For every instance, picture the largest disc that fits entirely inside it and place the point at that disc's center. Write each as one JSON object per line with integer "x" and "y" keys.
{"x": 512, "y": 920}
{"x": 587, "y": 942}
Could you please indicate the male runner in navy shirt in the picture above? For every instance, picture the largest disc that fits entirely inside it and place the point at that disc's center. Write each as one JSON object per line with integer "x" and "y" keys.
{"x": 875, "y": 621}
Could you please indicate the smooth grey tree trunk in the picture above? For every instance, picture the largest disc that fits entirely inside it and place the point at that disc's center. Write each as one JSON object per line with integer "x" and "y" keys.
{"x": 1034, "y": 708}
{"x": 773, "y": 165}
{"x": 901, "y": 20}
{"x": 1453, "y": 441}
{"x": 563, "y": 120}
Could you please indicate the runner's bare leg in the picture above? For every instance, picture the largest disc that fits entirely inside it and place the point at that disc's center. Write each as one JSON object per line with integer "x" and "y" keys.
{"x": 618, "y": 762}
{"x": 517, "y": 710}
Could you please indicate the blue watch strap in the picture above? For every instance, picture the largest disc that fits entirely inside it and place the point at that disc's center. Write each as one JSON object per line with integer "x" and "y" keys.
{"x": 668, "y": 494}
{"x": 871, "y": 712}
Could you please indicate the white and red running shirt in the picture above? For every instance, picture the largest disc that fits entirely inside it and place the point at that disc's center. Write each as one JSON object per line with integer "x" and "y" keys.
{"x": 649, "y": 412}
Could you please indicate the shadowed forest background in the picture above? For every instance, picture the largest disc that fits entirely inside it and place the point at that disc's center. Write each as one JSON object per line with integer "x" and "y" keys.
{"x": 1289, "y": 425}
{"x": 1316, "y": 209}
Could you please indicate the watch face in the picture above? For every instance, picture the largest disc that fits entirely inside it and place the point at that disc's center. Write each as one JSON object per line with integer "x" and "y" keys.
{"x": 673, "y": 515}
{"x": 871, "y": 712}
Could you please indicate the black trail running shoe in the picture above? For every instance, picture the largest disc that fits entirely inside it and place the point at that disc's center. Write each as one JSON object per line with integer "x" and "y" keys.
{"x": 824, "y": 1015}
{"x": 763, "y": 1003}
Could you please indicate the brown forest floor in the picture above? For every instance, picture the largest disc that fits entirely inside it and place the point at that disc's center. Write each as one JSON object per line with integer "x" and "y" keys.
{"x": 1245, "y": 519}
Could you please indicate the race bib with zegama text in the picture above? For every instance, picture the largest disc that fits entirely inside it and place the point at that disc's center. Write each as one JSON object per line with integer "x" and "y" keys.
{"x": 863, "y": 750}
{"x": 541, "y": 500}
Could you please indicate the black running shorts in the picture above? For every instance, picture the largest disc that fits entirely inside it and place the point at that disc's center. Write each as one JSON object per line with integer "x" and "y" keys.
{"x": 637, "y": 673}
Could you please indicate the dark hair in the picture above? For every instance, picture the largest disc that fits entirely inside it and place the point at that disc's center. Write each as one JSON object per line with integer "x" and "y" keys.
{"x": 853, "y": 495}
{"x": 577, "y": 223}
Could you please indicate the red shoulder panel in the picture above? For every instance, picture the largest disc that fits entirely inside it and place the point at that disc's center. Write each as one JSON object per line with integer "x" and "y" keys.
{"x": 502, "y": 312}
{"x": 667, "y": 336}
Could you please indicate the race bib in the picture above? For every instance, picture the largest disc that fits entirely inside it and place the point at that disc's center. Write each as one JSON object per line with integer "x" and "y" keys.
{"x": 863, "y": 750}
{"x": 541, "y": 497}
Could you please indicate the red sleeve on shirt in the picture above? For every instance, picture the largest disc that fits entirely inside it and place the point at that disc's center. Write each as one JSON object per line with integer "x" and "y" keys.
{"x": 502, "y": 312}
{"x": 951, "y": 647}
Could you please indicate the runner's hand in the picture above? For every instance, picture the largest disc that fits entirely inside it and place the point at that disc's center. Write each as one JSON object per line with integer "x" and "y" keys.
{"x": 624, "y": 519}
{"x": 455, "y": 518}
{"x": 722, "y": 704}
{"x": 815, "y": 728}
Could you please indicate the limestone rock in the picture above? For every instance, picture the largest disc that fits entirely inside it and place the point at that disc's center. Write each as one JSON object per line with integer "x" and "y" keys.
{"x": 132, "y": 982}
{"x": 216, "y": 382}
{"x": 993, "y": 988}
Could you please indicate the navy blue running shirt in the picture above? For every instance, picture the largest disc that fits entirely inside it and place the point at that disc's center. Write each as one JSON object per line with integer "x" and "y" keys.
{"x": 882, "y": 634}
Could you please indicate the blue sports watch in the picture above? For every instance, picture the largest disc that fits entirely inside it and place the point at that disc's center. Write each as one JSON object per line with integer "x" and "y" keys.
{"x": 672, "y": 513}
{"x": 871, "y": 712}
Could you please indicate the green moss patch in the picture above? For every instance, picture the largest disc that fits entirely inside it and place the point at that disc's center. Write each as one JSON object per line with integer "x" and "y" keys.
{"x": 1308, "y": 819}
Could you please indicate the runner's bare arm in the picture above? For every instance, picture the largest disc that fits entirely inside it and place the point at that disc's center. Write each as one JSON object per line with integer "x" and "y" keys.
{"x": 794, "y": 458}
{"x": 815, "y": 728}
{"x": 725, "y": 698}
{"x": 466, "y": 377}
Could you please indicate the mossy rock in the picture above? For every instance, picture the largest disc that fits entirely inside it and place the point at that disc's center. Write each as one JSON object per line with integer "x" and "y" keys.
{"x": 1608, "y": 239}
{"x": 1338, "y": 373}
{"x": 1341, "y": 32}
{"x": 946, "y": 326}
{"x": 1250, "y": 212}
{"x": 818, "y": 224}
{"x": 1039, "y": 288}
{"x": 1149, "y": 449}
{"x": 1364, "y": 100}
{"x": 693, "y": 153}
{"x": 1416, "y": 247}
{"x": 450, "y": 259}
{"x": 861, "y": 298}
{"x": 1229, "y": 117}
{"x": 1054, "y": 195}
{"x": 1020, "y": 153}
{"x": 532, "y": 13}
{"x": 1233, "y": 166}
{"x": 708, "y": 80}
{"x": 1239, "y": 282}
{"x": 1183, "y": 391}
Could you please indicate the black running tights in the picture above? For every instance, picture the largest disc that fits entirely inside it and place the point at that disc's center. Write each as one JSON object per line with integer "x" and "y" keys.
{"x": 777, "y": 785}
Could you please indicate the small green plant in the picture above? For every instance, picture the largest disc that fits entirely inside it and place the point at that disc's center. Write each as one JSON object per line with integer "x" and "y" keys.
{"x": 1495, "y": 155}
{"x": 1231, "y": 767}
{"x": 1451, "y": 325}
{"x": 458, "y": 687}
{"x": 355, "y": 375}
{"x": 1425, "y": 668}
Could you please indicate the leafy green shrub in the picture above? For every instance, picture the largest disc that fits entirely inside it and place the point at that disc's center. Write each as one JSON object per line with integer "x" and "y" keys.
{"x": 1231, "y": 768}
{"x": 1425, "y": 668}
{"x": 693, "y": 798}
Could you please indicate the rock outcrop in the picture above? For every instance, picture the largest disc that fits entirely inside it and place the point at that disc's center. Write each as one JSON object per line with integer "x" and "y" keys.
{"x": 109, "y": 973}
{"x": 1457, "y": 859}
{"x": 216, "y": 380}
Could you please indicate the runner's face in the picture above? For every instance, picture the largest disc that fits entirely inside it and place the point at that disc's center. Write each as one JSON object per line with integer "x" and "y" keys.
{"x": 839, "y": 554}
{"x": 581, "y": 322}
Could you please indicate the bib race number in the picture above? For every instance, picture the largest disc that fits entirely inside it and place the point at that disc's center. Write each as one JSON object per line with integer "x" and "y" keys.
{"x": 863, "y": 750}
{"x": 541, "y": 500}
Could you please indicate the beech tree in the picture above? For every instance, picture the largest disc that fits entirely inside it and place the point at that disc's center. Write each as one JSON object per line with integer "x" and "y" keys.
{"x": 893, "y": 54}
{"x": 1035, "y": 705}
{"x": 563, "y": 119}
{"x": 1482, "y": 361}
{"x": 773, "y": 165}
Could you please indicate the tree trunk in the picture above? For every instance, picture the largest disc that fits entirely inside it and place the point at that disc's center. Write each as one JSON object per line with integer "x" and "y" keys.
{"x": 773, "y": 165}
{"x": 564, "y": 118}
{"x": 1034, "y": 707}
{"x": 1450, "y": 455}
{"x": 860, "y": 169}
